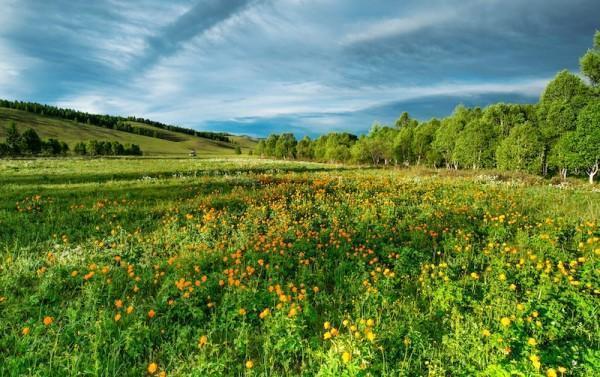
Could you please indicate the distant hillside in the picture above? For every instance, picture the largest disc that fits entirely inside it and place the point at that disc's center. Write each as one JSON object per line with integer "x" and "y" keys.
{"x": 165, "y": 140}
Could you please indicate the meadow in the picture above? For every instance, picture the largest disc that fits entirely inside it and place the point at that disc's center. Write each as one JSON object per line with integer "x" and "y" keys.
{"x": 248, "y": 267}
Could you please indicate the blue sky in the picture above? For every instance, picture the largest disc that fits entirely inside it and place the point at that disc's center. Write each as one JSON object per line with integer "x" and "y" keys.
{"x": 306, "y": 66}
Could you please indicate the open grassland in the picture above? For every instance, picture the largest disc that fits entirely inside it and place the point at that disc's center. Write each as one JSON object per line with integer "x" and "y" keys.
{"x": 73, "y": 132}
{"x": 130, "y": 267}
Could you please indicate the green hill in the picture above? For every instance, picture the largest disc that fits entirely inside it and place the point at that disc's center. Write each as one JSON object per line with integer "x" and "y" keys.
{"x": 170, "y": 143}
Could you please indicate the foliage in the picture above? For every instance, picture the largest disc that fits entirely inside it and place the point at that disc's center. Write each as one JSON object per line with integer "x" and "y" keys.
{"x": 539, "y": 138}
{"x": 112, "y": 122}
{"x": 198, "y": 267}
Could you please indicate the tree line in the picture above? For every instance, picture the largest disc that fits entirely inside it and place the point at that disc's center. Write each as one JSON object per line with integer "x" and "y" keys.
{"x": 111, "y": 122}
{"x": 558, "y": 135}
{"x": 29, "y": 143}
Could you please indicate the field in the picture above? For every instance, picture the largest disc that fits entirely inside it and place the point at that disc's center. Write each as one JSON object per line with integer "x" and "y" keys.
{"x": 73, "y": 132}
{"x": 210, "y": 267}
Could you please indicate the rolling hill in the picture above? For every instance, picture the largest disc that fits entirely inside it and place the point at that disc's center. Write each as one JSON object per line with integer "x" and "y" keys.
{"x": 171, "y": 142}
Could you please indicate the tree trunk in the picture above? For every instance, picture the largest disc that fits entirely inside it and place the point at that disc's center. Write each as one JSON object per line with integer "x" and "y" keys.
{"x": 563, "y": 174}
{"x": 592, "y": 172}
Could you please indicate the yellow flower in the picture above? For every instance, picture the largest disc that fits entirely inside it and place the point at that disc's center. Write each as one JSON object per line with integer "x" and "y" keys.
{"x": 25, "y": 331}
{"x": 505, "y": 321}
{"x": 551, "y": 372}
{"x": 532, "y": 342}
{"x": 242, "y": 311}
{"x": 370, "y": 323}
{"x": 129, "y": 309}
{"x": 249, "y": 364}
{"x": 346, "y": 357}
{"x": 152, "y": 368}
{"x": 117, "y": 317}
{"x": 327, "y": 335}
{"x": 371, "y": 336}
{"x": 535, "y": 360}
{"x": 202, "y": 341}
{"x": 562, "y": 370}
{"x": 326, "y": 325}
{"x": 486, "y": 332}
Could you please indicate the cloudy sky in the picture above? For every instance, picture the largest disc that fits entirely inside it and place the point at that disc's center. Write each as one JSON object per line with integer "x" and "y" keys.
{"x": 307, "y": 66}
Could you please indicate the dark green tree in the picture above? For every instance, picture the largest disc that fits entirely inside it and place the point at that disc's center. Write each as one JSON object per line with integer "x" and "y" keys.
{"x": 30, "y": 142}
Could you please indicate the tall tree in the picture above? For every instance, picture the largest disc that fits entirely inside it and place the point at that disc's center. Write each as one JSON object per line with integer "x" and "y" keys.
{"x": 590, "y": 62}
{"x": 587, "y": 136}
{"x": 521, "y": 150}
{"x": 31, "y": 142}
{"x": 476, "y": 145}
{"x": 13, "y": 140}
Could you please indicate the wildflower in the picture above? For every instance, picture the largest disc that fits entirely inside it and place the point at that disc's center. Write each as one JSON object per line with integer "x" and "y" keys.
{"x": 532, "y": 342}
{"x": 370, "y": 322}
{"x": 486, "y": 332}
{"x": 346, "y": 357}
{"x": 119, "y": 304}
{"x": 562, "y": 370}
{"x": 551, "y": 372}
{"x": 242, "y": 311}
{"x": 48, "y": 320}
{"x": 151, "y": 313}
{"x": 371, "y": 336}
{"x": 327, "y": 335}
{"x": 117, "y": 317}
{"x": 202, "y": 341}
{"x": 129, "y": 309}
{"x": 249, "y": 364}
{"x": 152, "y": 368}
{"x": 326, "y": 325}
{"x": 505, "y": 321}
{"x": 535, "y": 360}
{"x": 264, "y": 313}
{"x": 25, "y": 331}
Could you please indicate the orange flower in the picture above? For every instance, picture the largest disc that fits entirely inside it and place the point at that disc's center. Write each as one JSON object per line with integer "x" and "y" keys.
{"x": 152, "y": 368}
{"x": 48, "y": 320}
{"x": 151, "y": 313}
{"x": 129, "y": 309}
{"x": 117, "y": 317}
{"x": 25, "y": 331}
{"x": 119, "y": 304}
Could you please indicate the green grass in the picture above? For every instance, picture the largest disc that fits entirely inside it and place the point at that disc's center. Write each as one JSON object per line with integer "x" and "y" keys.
{"x": 72, "y": 132}
{"x": 301, "y": 269}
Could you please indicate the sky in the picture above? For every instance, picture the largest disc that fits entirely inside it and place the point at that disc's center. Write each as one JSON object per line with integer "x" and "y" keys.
{"x": 304, "y": 66}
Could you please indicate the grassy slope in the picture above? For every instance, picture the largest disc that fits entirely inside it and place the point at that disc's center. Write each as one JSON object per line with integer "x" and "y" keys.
{"x": 73, "y": 132}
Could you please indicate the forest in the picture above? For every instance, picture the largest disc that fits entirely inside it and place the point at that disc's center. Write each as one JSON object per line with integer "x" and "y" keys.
{"x": 112, "y": 122}
{"x": 29, "y": 143}
{"x": 558, "y": 135}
